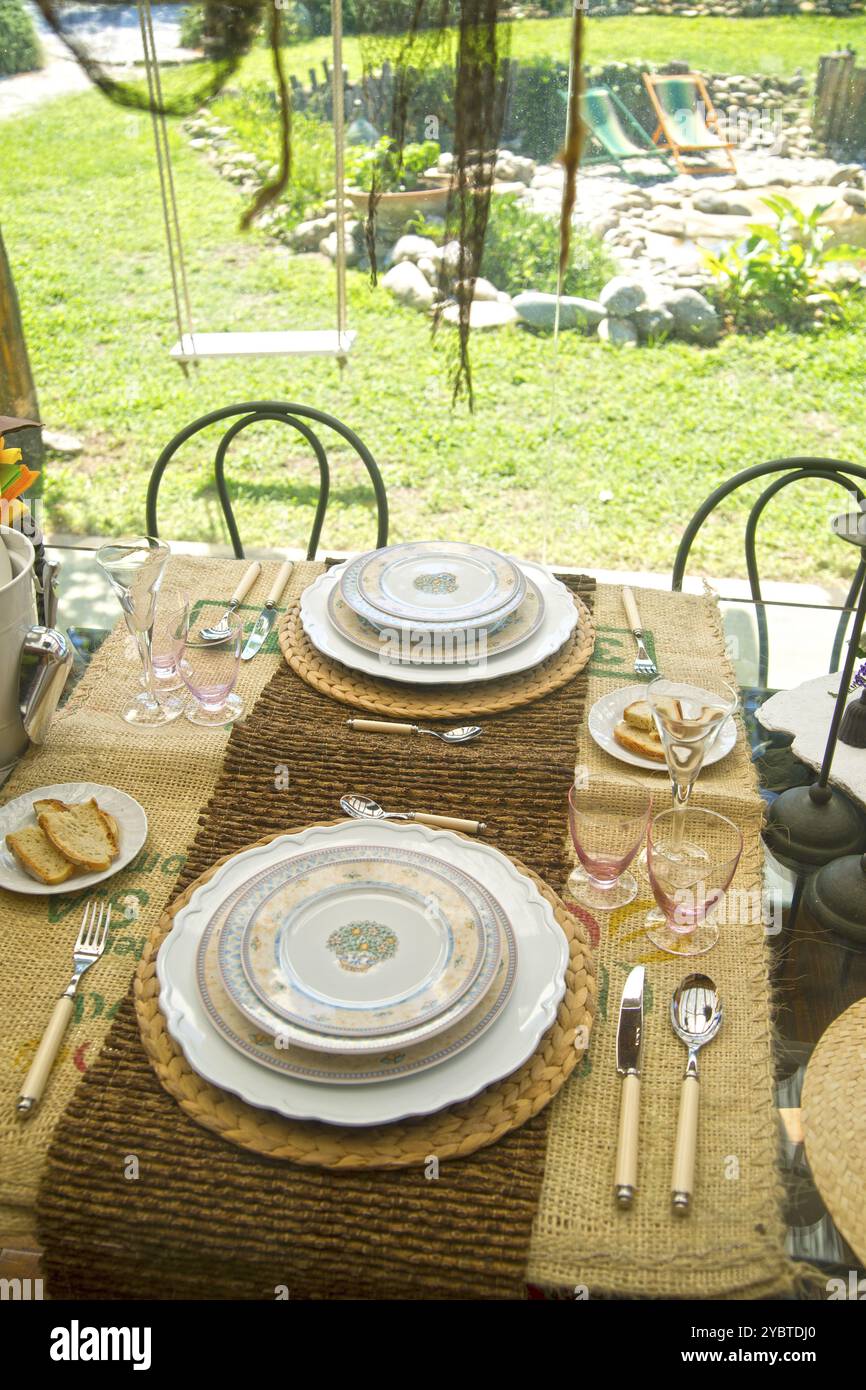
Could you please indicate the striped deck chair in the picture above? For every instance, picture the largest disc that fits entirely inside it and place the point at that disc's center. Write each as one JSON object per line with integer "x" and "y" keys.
{"x": 615, "y": 129}
{"x": 688, "y": 124}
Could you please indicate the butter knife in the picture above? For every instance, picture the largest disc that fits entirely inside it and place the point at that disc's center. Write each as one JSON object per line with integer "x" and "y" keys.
{"x": 629, "y": 1040}
{"x": 268, "y": 616}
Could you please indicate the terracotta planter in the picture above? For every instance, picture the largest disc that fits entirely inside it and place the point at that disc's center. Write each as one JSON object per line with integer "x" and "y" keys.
{"x": 394, "y": 210}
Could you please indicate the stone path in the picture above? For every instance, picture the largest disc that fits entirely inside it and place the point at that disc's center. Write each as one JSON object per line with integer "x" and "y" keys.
{"x": 114, "y": 37}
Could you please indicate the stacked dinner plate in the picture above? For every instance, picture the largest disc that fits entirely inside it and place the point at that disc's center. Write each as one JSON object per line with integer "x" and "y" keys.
{"x": 438, "y": 612}
{"x": 357, "y": 974}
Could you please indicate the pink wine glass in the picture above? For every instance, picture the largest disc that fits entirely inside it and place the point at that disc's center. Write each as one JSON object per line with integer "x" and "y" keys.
{"x": 606, "y": 840}
{"x": 210, "y": 672}
{"x": 689, "y": 890}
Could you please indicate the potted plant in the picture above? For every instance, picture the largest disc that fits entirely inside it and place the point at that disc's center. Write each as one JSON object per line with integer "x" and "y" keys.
{"x": 403, "y": 189}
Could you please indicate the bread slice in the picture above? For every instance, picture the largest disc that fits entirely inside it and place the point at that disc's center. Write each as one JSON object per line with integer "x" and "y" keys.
{"x": 81, "y": 832}
{"x": 645, "y": 745}
{"x": 639, "y": 714}
{"x": 38, "y": 857}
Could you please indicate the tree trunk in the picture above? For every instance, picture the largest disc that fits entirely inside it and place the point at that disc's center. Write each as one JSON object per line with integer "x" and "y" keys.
{"x": 17, "y": 388}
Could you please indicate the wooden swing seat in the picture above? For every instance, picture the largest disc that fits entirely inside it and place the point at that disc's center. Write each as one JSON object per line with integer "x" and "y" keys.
{"x": 329, "y": 342}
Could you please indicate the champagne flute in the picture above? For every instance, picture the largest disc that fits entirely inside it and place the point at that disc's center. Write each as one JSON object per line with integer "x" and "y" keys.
{"x": 688, "y": 888}
{"x": 689, "y": 719}
{"x": 134, "y": 568}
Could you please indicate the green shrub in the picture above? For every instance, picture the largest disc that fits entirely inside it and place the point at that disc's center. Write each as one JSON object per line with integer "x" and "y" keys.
{"x": 771, "y": 277}
{"x": 251, "y": 112}
{"x": 521, "y": 252}
{"x": 19, "y": 46}
{"x": 395, "y": 175}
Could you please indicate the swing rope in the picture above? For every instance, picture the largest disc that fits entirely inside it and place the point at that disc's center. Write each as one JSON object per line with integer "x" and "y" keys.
{"x": 171, "y": 218}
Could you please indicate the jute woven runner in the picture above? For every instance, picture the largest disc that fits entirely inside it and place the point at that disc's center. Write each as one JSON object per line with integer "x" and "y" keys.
{"x": 204, "y": 1217}
{"x": 172, "y": 772}
{"x": 732, "y": 1243}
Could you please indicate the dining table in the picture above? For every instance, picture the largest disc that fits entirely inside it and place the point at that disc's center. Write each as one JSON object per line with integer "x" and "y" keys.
{"x": 135, "y": 1180}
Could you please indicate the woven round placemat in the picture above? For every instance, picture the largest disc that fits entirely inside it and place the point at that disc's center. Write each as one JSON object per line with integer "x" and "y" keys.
{"x": 457, "y": 1131}
{"x": 834, "y": 1123}
{"x": 440, "y": 702}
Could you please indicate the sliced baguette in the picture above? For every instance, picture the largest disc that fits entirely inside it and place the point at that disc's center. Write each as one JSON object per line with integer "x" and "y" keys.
{"x": 38, "y": 856}
{"x": 81, "y": 833}
{"x": 637, "y": 741}
{"x": 640, "y": 716}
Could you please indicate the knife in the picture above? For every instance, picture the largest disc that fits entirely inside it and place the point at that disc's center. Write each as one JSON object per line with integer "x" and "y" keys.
{"x": 268, "y": 615}
{"x": 629, "y": 1038}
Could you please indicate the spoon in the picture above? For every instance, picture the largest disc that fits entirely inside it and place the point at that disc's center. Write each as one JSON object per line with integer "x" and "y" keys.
{"x": 364, "y": 808}
{"x": 465, "y": 734}
{"x": 221, "y": 630}
{"x": 696, "y": 1017}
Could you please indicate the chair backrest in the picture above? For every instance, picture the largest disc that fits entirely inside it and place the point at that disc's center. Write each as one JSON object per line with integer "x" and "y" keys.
{"x": 848, "y": 476}
{"x": 250, "y": 413}
{"x": 683, "y": 104}
{"x": 601, "y": 115}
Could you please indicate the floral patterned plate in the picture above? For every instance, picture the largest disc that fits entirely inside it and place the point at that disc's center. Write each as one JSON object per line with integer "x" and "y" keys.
{"x": 433, "y": 582}
{"x": 437, "y": 646}
{"x": 443, "y": 927}
{"x": 281, "y": 1053}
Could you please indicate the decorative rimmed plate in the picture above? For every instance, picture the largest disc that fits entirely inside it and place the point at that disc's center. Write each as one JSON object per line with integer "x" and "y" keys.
{"x": 433, "y": 582}
{"x": 558, "y": 623}
{"x": 356, "y": 944}
{"x": 400, "y": 1059}
{"x": 438, "y": 646}
{"x": 505, "y": 1046}
{"x": 16, "y": 814}
{"x": 409, "y": 1031}
{"x": 607, "y": 712}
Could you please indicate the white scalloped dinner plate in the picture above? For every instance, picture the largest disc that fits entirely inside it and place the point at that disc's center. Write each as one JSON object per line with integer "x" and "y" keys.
{"x": 542, "y": 953}
{"x": 560, "y": 620}
{"x": 607, "y": 712}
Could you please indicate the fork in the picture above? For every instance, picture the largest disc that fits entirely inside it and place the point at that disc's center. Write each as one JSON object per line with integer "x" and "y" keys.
{"x": 644, "y": 664}
{"x": 87, "y": 949}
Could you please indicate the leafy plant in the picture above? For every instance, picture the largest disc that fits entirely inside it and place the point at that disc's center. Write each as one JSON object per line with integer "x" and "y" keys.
{"x": 394, "y": 175}
{"x": 251, "y": 113}
{"x": 19, "y": 47}
{"x": 774, "y": 275}
{"x": 521, "y": 252}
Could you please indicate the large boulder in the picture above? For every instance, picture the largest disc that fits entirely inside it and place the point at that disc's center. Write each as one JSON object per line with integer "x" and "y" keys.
{"x": 538, "y": 310}
{"x": 328, "y": 246}
{"x": 409, "y": 286}
{"x": 621, "y": 296}
{"x": 653, "y": 323}
{"x": 695, "y": 319}
{"x": 514, "y": 168}
{"x": 482, "y": 314}
{"x": 307, "y": 235}
{"x": 618, "y": 332}
{"x": 412, "y": 248}
{"x": 718, "y": 205}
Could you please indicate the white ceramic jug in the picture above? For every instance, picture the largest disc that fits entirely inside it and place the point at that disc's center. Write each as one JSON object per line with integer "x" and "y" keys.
{"x": 34, "y": 661}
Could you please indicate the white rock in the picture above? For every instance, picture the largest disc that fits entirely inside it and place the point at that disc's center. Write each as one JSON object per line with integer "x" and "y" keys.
{"x": 618, "y": 332}
{"x": 409, "y": 286}
{"x": 482, "y": 314}
{"x": 412, "y": 248}
{"x": 621, "y": 296}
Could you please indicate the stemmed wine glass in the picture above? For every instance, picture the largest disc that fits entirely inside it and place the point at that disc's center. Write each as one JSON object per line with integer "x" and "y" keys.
{"x": 210, "y": 672}
{"x": 134, "y": 569}
{"x": 606, "y": 839}
{"x": 689, "y": 719}
{"x": 688, "y": 888}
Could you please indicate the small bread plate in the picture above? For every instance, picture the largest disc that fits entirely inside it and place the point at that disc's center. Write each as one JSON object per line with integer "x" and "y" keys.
{"x": 607, "y": 712}
{"x": 16, "y": 814}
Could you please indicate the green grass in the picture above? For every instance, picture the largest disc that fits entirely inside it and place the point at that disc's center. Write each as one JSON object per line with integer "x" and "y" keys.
{"x": 657, "y": 428}
{"x": 778, "y": 45}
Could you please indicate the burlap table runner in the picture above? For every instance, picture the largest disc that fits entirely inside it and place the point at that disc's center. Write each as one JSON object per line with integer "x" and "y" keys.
{"x": 375, "y": 1233}
{"x": 732, "y": 1243}
{"x": 172, "y": 772}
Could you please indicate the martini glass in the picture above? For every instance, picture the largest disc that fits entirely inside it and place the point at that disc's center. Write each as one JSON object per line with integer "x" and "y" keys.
{"x": 689, "y": 889}
{"x": 134, "y": 569}
{"x": 689, "y": 719}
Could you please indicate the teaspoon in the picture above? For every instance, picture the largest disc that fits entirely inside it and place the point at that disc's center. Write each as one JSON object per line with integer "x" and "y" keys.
{"x": 465, "y": 734}
{"x": 696, "y": 1017}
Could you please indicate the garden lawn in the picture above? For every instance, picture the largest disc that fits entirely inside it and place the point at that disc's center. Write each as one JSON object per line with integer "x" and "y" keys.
{"x": 775, "y": 46}
{"x": 656, "y": 428}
